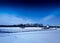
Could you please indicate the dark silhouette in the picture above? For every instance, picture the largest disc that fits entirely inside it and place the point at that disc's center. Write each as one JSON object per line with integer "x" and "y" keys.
{"x": 46, "y": 27}
{"x": 30, "y": 25}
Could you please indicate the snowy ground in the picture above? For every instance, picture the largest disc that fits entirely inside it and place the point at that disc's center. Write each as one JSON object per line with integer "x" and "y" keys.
{"x": 51, "y": 36}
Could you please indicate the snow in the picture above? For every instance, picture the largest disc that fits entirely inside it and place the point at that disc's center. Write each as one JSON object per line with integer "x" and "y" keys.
{"x": 51, "y": 36}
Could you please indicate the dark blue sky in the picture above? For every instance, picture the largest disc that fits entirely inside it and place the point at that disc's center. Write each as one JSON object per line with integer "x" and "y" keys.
{"x": 29, "y": 11}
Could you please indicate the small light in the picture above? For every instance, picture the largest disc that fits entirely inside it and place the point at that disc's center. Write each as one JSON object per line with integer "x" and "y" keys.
{"x": 47, "y": 26}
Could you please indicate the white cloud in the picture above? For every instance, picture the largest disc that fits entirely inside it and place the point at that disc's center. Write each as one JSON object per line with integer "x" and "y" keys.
{"x": 47, "y": 18}
{"x": 12, "y": 19}
{"x": 50, "y": 19}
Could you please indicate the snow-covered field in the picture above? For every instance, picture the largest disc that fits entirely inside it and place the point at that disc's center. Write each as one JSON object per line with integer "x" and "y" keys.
{"x": 51, "y": 36}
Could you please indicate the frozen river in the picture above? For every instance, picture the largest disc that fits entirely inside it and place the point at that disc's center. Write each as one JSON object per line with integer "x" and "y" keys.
{"x": 51, "y": 36}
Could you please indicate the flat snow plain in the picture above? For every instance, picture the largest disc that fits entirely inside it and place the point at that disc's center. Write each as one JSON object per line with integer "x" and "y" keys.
{"x": 49, "y": 36}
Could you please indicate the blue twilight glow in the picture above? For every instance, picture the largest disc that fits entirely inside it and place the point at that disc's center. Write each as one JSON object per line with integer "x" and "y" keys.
{"x": 29, "y": 12}
{"x": 41, "y": 14}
